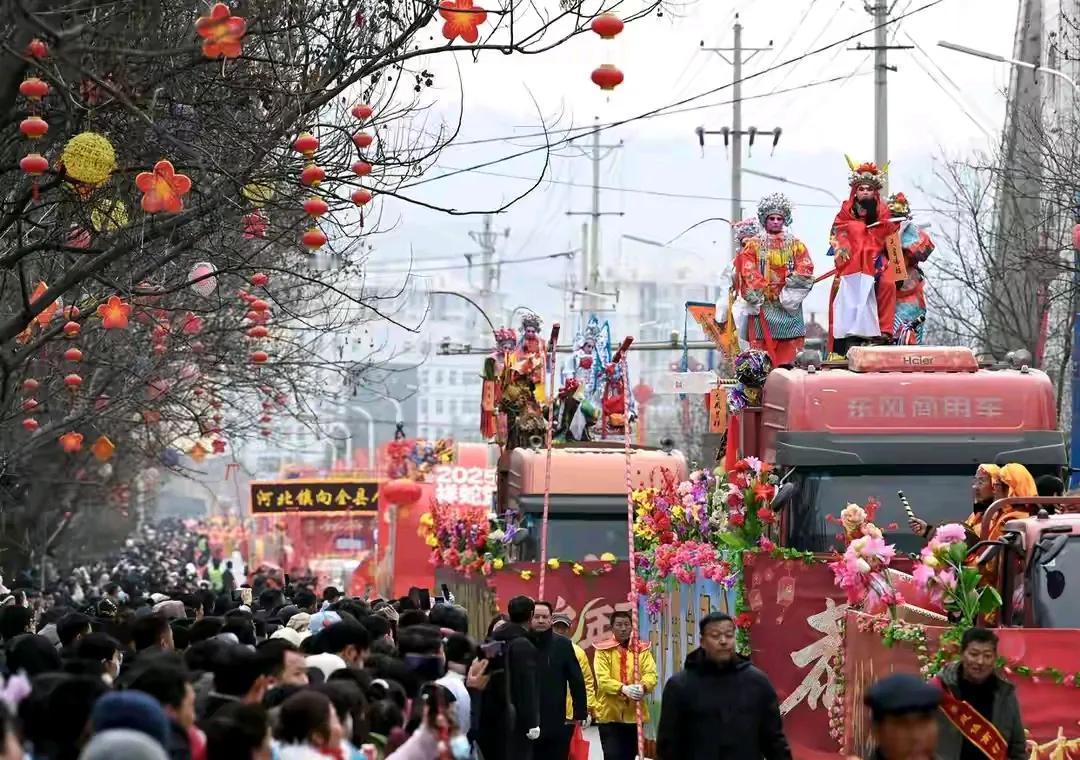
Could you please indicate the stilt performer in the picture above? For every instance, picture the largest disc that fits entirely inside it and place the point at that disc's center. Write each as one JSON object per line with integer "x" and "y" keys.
{"x": 862, "y": 304}
{"x": 773, "y": 274}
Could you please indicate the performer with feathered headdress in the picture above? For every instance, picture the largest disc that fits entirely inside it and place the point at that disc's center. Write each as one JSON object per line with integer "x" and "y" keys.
{"x": 773, "y": 274}
{"x": 862, "y": 304}
{"x": 909, "y": 323}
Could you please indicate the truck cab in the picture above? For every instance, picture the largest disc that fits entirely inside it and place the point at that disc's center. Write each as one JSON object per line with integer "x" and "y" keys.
{"x": 917, "y": 419}
{"x": 587, "y": 499}
{"x": 1036, "y": 563}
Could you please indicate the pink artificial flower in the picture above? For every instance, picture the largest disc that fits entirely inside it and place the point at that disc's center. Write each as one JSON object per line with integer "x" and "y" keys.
{"x": 953, "y": 533}
{"x": 765, "y": 544}
{"x": 753, "y": 463}
{"x": 922, "y": 574}
{"x": 737, "y": 519}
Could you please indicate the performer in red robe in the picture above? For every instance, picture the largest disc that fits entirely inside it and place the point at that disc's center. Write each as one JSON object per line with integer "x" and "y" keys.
{"x": 862, "y": 304}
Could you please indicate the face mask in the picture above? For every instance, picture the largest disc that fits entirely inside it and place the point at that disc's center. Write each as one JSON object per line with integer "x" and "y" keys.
{"x": 460, "y": 747}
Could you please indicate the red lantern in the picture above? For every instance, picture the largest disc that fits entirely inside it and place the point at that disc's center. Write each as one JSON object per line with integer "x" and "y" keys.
{"x": 29, "y": 405}
{"x": 361, "y": 197}
{"x": 34, "y": 164}
{"x": 362, "y": 111}
{"x": 71, "y": 329}
{"x": 30, "y": 385}
{"x": 264, "y": 433}
{"x": 401, "y": 491}
{"x": 315, "y": 207}
{"x": 37, "y": 49}
{"x": 258, "y": 331}
{"x": 33, "y": 127}
{"x": 199, "y": 391}
{"x": 73, "y": 381}
{"x": 607, "y": 77}
{"x": 643, "y": 393}
{"x": 259, "y": 279}
{"x": 34, "y": 88}
{"x": 306, "y": 143}
{"x": 266, "y": 418}
{"x": 259, "y": 357}
{"x": 314, "y": 239}
{"x": 361, "y": 168}
{"x": 312, "y": 175}
{"x": 607, "y": 25}
{"x": 73, "y": 355}
{"x": 259, "y": 305}
{"x": 30, "y": 424}
{"x": 363, "y": 139}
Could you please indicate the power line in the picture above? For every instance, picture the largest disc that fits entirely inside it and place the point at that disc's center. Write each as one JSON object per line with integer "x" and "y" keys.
{"x": 504, "y": 262}
{"x": 655, "y": 111}
{"x": 956, "y": 87}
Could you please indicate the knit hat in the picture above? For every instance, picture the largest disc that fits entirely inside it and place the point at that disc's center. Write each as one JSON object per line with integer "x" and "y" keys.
{"x": 117, "y": 743}
{"x": 132, "y": 710}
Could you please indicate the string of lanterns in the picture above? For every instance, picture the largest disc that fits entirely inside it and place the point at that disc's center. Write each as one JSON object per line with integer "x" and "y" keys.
{"x": 607, "y": 76}
{"x": 34, "y": 127}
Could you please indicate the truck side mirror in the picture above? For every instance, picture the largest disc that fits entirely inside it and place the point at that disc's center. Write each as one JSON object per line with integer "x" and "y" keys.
{"x": 784, "y": 495}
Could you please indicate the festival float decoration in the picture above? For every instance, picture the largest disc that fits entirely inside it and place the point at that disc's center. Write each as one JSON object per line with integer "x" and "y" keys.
{"x": 221, "y": 31}
{"x": 461, "y": 18}
{"x": 163, "y": 189}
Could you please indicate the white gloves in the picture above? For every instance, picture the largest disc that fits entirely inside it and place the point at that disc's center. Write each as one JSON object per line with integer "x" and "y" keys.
{"x": 633, "y": 691}
{"x": 533, "y": 733}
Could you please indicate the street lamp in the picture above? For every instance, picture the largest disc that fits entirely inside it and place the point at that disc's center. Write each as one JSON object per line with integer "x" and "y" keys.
{"x": 793, "y": 183}
{"x": 1074, "y": 437}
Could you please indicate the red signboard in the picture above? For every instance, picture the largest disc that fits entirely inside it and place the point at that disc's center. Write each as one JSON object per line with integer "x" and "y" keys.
{"x": 796, "y": 630}
{"x": 1048, "y": 708}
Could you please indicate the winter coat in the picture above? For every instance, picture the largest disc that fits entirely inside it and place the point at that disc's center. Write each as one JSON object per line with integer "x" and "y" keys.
{"x": 1005, "y": 717}
{"x": 511, "y": 701}
{"x": 558, "y": 674}
{"x": 590, "y": 684}
{"x": 614, "y": 668}
{"x": 710, "y": 711}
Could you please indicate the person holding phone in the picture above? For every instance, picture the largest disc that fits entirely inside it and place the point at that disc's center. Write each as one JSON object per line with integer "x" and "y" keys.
{"x": 510, "y": 707}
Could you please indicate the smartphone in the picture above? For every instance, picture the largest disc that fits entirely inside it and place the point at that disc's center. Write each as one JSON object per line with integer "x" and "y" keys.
{"x": 492, "y": 649}
{"x": 446, "y": 594}
{"x": 425, "y": 600}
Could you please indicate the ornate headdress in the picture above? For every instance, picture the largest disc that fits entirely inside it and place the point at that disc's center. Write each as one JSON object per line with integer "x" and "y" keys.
{"x": 898, "y": 205}
{"x": 745, "y": 229}
{"x": 866, "y": 173}
{"x": 528, "y": 319}
{"x": 774, "y": 203}
{"x": 506, "y": 334}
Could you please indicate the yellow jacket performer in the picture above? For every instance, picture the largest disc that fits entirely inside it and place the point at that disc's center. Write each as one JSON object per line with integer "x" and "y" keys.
{"x": 618, "y": 692}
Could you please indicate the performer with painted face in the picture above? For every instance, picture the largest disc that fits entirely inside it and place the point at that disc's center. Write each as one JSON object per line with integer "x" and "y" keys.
{"x": 909, "y": 323}
{"x": 862, "y": 304}
{"x": 773, "y": 274}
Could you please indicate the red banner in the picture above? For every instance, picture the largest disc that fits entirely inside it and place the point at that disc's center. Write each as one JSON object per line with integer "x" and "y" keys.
{"x": 796, "y": 630}
{"x": 1048, "y": 708}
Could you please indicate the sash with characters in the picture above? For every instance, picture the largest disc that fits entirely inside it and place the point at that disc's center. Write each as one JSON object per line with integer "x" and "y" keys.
{"x": 973, "y": 725}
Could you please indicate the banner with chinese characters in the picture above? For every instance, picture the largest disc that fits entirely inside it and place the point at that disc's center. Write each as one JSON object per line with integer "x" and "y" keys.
{"x": 458, "y": 485}
{"x": 795, "y": 630}
{"x": 284, "y": 496}
{"x": 1047, "y": 706}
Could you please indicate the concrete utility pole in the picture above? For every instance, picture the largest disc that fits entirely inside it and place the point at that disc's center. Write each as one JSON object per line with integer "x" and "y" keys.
{"x": 489, "y": 269}
{"x": 739, "y": 56}
{"x": 880, "y": 10}
{"x": 590, "y": 269}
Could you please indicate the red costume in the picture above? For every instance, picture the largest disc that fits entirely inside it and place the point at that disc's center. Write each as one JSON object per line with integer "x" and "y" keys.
{"x": 862, "y": 303}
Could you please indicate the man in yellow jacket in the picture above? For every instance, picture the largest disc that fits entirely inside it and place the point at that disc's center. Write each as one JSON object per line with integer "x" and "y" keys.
{"x": 618, "y": 691}
{"x": 560, "y": 623}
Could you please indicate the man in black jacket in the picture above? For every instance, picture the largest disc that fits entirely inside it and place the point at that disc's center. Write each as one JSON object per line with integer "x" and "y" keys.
{"x": 720, "y": 706}
{"x": 557, "y": 671}
{"x": 511, "y": 711}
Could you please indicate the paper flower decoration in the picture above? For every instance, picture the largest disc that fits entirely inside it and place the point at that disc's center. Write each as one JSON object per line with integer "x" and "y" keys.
{"x": 163, "y": 189}
{"x": 71, "y": 442}
{"x": 221, "y": 31}
{"x": 114, "y": 314}
{"x": 219, "y": 446}
{"x": 461, "y": 19}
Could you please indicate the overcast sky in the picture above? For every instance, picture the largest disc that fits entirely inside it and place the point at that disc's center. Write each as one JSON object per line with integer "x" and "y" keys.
{"x": 941, "y": 104}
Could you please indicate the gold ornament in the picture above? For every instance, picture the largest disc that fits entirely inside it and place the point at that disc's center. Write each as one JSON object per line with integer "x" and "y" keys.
{"x": 109, "y": 215}
{"x": 89, "y": 158}
{"x": 258, "y": 194}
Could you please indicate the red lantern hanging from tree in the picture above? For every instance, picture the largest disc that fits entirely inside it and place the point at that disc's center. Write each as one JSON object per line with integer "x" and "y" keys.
{"x": 34, "y": 127}
{"x": 306, "y": 144}
{"x": 259, "y": 279}
{"x": 314, "y": 239}
{"x": 34, "y": 89}
{"x": 30, "y": 424}
{"x": 363, "y": 139}
{"x": 607, "y": 77}
{"x": 361, "y": 197}
{"x": 315, "y": 207}
{"x": 312, "y": 175}
{"x": 607, "y": 26}
{"x": 361, "y": 168}
{"x": 34, "y": 164}
{"x": 37, "y": 49}
{"x": 73, "y": 381}
{"x": 362, "y": 111}
{"x": 73, "y": 355}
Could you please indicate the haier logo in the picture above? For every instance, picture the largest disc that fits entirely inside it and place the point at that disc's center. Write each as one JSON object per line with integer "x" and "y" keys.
{"x": 919, "y": 361}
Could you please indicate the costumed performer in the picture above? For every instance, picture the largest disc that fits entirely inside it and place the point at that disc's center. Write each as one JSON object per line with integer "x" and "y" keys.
{"x": 909, "y": 322}
{"x": 774, "y": 273}
{"x": 731, "y": 309}
{"x": 862, "y": 304}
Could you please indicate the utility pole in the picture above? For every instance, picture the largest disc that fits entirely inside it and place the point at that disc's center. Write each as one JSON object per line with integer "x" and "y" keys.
{"x": 489, "y": 272}
{"x": 880, "y": 11}
{"x": 735, "y": 133}
{"x": 590, "y": 270}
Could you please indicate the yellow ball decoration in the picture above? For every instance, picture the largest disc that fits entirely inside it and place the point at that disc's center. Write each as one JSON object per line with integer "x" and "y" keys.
{"x": 89, "y": 158}
{"x": 259, "y": 194}
{"x": 109, "y": 216}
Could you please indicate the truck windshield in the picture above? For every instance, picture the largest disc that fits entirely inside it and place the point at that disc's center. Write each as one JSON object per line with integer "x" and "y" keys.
{"x": 1057, "y": 603}
{"x": 578, "y": 538}
{"x": 938, "y": 494}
